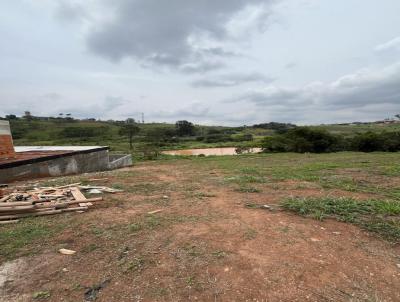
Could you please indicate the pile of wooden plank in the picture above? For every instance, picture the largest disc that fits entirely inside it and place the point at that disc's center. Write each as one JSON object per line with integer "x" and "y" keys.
{"x": 42, "y": 201}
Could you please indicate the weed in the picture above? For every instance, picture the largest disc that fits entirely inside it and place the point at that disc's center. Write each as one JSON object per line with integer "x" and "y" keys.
{"x": 136, "y": 265}
{"x": 90, "y": 248}
{"x": 135, "y": 227}
{"x": 41, "y": 295}
{"x": 190, "y": 281}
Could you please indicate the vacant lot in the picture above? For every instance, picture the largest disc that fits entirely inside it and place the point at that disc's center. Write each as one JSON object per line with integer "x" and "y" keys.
{"x": 331, "y": 233}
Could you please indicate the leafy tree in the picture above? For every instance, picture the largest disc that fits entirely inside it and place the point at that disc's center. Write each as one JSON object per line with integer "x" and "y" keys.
{"x": 11, "y": 117}
{"x": 130, "y": 129}
{"x": 184, "y": 128}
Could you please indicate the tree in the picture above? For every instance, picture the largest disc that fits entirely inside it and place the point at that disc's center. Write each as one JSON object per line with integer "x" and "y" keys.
{"x": 129, "y": 129}
{"x": 11, "y": 117}
{"x": 184, "y": 128}
{"x": 398, "y": 116}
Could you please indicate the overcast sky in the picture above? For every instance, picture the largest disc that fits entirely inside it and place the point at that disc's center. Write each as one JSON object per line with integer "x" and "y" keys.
{"x": 229, "y": 62}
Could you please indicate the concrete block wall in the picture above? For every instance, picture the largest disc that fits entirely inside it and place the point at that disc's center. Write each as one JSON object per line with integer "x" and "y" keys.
{"x": 67, "y": 165}
{"x": 6, "y": 142}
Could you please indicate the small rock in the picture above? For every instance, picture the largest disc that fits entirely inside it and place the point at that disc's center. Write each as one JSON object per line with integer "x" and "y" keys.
{"x": 165, "y": 197}
{"x": 398, "y": 265}
{"x": 65, "y": 270}
{"x": 337, "y": 233}
{"x": 315, "y": 240}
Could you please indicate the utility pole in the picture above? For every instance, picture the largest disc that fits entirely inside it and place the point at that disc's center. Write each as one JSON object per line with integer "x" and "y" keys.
{"x": 142, "y": 118}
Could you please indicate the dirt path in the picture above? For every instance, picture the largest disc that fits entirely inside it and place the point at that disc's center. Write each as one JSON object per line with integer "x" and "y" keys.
{"x": 204, "y": 245}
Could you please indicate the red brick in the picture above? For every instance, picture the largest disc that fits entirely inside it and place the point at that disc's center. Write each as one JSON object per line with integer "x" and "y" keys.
{"x": 6, "y": 147}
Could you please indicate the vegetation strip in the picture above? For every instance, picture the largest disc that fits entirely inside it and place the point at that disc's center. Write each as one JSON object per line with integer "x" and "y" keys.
{"x": 378, "y": 216}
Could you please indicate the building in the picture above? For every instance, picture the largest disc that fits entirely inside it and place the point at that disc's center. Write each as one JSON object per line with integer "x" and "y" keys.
{"x": 19, "y": 163}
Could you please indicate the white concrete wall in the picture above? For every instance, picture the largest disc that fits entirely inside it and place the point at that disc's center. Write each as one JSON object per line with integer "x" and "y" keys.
{"x": 5, "y": 128}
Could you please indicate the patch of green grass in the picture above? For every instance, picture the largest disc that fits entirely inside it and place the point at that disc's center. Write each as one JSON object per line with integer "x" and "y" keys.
{"x": 378, "y": 216}
{"x": 135, "y": 265}
{"x": 245, "y": 179}
{"x": 24, "y": 238}
{"x": 247, "y": 189}
{"x": 90, "y": 248}
{"x": 219, "y": 254}
{"x": 135, "y": 227}
{"x": 153, "y": 221}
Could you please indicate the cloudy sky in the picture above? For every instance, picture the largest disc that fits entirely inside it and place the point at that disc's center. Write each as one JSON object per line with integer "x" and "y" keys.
{"x": 230, "y": 62}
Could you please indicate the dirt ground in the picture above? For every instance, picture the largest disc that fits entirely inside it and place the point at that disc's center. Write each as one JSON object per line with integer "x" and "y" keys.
{"x": 204, "y": 245}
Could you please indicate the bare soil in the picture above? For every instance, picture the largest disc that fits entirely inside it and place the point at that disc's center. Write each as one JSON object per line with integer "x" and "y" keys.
{"x": 205, "y": 245}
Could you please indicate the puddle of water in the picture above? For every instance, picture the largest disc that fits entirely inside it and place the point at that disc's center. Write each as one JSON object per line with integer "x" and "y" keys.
{"x": 209, "y": 151}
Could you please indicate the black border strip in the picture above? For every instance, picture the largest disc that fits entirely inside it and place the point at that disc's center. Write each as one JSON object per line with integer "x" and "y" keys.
{"x": 49, "y": 157}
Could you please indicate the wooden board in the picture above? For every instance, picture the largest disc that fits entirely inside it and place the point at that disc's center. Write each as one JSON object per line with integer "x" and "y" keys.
{"x": 78, "y": 195}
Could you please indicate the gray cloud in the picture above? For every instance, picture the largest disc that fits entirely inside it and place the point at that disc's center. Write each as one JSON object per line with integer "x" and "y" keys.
{"x": 366, "y": 87}
{"x": 174, "y": 33}
{"x": 230, "y": 80}
{"x": 70, "y": 11}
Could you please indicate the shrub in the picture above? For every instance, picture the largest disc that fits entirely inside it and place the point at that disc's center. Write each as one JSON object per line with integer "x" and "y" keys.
{"x": 302, "y": 139}
{"x": 367, "y": 142}
{"x": 277, "y": 143}
{"x": 371, "y": 141}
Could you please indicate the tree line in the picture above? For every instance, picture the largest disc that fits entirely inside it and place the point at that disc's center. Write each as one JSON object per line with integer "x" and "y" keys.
{"x": 307, "y": 139}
